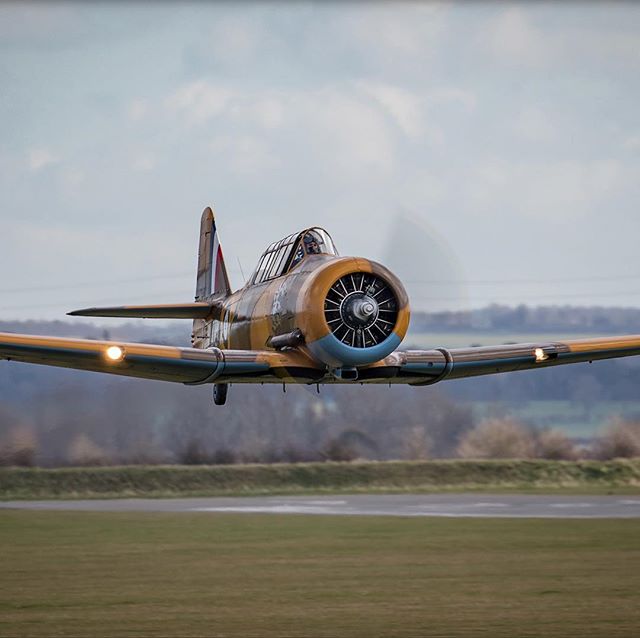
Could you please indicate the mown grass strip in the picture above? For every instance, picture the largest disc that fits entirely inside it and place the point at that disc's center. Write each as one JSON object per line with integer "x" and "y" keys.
{"x": 395, "y": 476}
{"x": 186, "y": 575}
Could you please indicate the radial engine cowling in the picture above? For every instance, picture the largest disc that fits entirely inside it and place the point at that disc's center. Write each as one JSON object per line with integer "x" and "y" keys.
{"x": 354, "y": 312}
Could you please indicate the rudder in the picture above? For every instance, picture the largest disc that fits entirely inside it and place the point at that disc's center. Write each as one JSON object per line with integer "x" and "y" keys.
{"x": 212, "y": 273}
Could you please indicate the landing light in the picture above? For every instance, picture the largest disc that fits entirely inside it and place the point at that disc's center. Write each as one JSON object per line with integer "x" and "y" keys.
{"x": 115, "y": 353}
{"x": 540, "y": 355}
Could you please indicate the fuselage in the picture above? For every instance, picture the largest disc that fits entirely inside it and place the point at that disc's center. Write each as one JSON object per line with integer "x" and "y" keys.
{"x": 348, "y": 311}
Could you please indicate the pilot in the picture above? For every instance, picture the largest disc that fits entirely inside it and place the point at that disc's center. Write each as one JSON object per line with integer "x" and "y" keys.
{"x": 311, "y": 244}
{"x": 298, "y": 257}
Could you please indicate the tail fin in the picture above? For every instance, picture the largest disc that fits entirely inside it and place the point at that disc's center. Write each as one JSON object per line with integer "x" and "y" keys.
{"x": 212, "y": 273}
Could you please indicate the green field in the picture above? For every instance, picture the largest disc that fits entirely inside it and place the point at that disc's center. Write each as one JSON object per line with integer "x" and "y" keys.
{"x": 99, "y": 574}
{"x": 575, "y": 419}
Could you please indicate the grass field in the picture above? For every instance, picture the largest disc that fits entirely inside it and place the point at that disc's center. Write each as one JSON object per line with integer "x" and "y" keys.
{"x": 97, "y": 574}
{"x": 587, "y": 477}
{"x": 575, "y": 419}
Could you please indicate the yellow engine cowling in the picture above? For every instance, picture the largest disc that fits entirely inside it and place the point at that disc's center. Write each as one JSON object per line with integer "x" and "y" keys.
{"x": 352, "y": 312}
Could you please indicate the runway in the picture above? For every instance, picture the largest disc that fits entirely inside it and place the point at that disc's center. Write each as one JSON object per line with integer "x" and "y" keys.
{"x": 439, "y": 505}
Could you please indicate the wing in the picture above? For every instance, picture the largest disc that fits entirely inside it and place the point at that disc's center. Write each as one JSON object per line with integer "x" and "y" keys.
{"x": 424, "y": 367}
{"x": 167, "y": 363}
{"x": 194, "y": 366}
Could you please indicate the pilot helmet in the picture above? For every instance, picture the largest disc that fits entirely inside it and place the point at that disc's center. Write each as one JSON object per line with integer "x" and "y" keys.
{"x": 311, "y": 243}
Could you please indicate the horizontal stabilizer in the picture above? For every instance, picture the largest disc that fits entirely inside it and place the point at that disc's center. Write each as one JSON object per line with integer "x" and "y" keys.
{"x": 195, "y": 310}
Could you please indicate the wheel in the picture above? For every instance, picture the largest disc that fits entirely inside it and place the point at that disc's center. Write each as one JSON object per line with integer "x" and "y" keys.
{"x": 220, "y": 393}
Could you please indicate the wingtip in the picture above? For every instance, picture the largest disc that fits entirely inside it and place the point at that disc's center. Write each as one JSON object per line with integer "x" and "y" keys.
{"x": 84, "y": 312}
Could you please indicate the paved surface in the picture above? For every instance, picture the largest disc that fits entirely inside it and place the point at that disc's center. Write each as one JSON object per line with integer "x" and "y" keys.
{"x": 450, "y": 505}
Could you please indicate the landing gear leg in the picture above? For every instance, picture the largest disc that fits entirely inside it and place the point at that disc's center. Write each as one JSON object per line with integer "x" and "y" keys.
{"x": 220, "y": 393}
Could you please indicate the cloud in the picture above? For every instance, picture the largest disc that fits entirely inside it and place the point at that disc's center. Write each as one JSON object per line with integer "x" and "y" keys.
{"x": 347, "y": 133}
{"x": 414, "y": 112}
{"x": 340, "y": 128}
{"x": 144, "y": 162}
{"x": 244, "y": 154}
{"x": 36, "y": 24}
{"x": 344, "y": 129}
{"x": 137, "y": 109}
{"x": 235, "y": 39}
{"x": 39, "y": 158}
{"x": 512, "y": 37}
{"x": 72, "y": 180}
{"x": 381, "y": 30}
{"x": 448, "y": 95}
{"x": 68, "y": 251}
{"x": 319, "y": 113}
{"x": 542, "y": 36}
{"x": 403, "y": 106}
{"x": 199, "y": 101}
{"x": 267, "y": 111}
{"x": 534, "y": 125}
{"x": 632, "y": 142}
{"x": 548, "y": 191}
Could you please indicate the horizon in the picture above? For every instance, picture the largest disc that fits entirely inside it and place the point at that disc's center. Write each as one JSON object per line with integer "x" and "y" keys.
{"x": 107, "y": 324}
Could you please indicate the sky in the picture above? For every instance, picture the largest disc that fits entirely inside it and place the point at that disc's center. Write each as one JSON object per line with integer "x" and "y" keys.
{"x": 486, "y": 152}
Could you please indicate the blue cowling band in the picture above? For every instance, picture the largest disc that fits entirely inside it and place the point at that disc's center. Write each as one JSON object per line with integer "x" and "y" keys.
{"x": 333, "y": 352}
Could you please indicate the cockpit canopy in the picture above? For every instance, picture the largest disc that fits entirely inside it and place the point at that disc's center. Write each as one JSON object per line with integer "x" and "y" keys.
{"x": 286, "y": 254}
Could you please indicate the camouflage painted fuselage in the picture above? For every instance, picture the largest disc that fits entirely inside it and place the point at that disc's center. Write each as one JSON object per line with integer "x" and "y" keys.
{"x": 256, "y": 313}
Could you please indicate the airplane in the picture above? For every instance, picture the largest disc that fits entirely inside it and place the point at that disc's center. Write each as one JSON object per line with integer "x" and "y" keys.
{"x": 306, "y": 315}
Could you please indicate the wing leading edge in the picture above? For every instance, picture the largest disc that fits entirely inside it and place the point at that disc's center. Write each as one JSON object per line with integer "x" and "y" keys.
{"x": 425, "y": 367}
{"x": 167, "y": 363}
{"x": 195, "y": 366}
{"x": 196, "y": 310}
